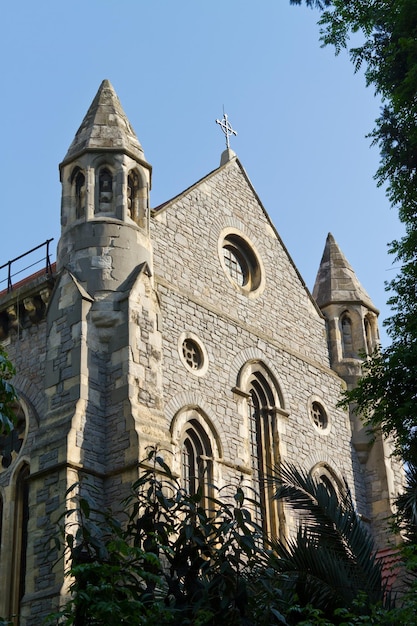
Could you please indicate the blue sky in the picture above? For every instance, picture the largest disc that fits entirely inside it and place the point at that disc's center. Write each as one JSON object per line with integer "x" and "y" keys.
{"x": 300, "y": 112}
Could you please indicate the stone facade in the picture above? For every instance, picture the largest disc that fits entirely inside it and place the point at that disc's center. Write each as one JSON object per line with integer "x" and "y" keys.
{"x": 188, "y": 327}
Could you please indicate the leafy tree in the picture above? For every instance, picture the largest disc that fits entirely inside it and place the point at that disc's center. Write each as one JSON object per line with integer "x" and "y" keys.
{"x": 172, "y": 562}
{"x": 387, "y": 394}
{"x": 175, "y": 563}
{"x": 7, "y": 394}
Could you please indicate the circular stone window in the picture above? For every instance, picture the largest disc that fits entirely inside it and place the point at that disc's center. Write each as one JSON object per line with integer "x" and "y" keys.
{"x": 240, "y": 262}
{"x": 193, "y": 353}
{"x": 11, "y": 443}
{"x": 318, "y": 416}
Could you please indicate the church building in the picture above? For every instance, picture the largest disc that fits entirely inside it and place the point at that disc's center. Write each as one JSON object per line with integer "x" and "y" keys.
{"x": 186, "y": 326}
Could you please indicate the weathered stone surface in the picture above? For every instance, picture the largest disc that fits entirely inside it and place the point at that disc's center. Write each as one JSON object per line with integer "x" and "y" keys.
{"x": 158, "y": 323}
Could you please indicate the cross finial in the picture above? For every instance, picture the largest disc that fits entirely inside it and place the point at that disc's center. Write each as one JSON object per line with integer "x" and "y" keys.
{"x": 226, "y": 128}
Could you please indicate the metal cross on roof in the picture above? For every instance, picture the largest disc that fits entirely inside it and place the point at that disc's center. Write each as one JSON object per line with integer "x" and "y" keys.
{"x": 226, "y": 128}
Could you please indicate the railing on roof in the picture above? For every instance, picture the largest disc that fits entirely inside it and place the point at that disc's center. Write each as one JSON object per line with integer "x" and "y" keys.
{"x": 45, "y": 258}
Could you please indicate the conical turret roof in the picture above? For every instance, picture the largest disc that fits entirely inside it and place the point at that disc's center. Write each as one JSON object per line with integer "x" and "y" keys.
{"x": 105, "y": 127}
{"x": 336, "y": 281}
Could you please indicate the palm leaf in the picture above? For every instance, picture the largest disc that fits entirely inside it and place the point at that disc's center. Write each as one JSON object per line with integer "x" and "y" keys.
{"x": 333, "y": 557}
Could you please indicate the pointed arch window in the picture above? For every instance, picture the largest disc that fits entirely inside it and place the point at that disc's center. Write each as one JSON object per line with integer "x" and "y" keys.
{"x": 347, "y": 336}
{"x": 105, "y": 191}
{"x": 133, "y": 195}
{"x": 371, "y": 333}
{"x": 197, "y": 461}
{"x": 80, "y": 196}
{"x": 323, "y": 474}
{"x": 263, "y": 402}
{"x": 20, "y": 538}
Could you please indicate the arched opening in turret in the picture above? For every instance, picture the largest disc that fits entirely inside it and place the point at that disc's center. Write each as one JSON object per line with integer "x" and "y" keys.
{"x": 371, "y": 333}
{"x": 105, "y": 200}
{"x": 347, "y": 336}
{"x": 133, "y": 195}
{"x": 78, "y": 192}
{"x": 137, "y": 198}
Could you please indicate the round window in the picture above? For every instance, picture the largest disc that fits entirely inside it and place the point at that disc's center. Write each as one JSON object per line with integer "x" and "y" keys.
{"x": 240, "y": 262}
{"x": 236, "y": 265}
{"x": 192, "y": 353}
{"x": 318, "y": 416}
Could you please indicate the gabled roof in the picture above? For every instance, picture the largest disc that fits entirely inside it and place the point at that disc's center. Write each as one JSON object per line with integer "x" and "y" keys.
{"x": 105, "y": 127}
{"x": 230, "y": 161}
{"x": 336, "y": 281}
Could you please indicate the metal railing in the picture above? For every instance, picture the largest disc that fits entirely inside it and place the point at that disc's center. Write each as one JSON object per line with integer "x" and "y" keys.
{"x": 46, "y": 258}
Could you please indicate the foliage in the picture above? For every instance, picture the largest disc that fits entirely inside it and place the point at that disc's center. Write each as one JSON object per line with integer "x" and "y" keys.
{"x": 7, "y": 394}
{"x": 405, "y": 520}
{"x": 387, "y": 52}
{"x": 332, "y": 560}
{"x": 173, "y": 562}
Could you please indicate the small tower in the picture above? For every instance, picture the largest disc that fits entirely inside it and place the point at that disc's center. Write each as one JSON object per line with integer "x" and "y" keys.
{"x": 351, "y": 316}
{"x": 105, "y": 197}
{"x": 352, "y": 327}
{"x": 102, "y": 382}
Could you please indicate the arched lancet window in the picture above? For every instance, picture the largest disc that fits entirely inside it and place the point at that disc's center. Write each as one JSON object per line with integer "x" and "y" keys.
{"x": 105, "y": 191}
{"x": 79, "y": 195}
{"x": 197, "y": 461}
{"x": 371, "y": 341}
{"x": 347, "y": 336}
{"x": 323, "y": 474}
{"x": 263, "y": 402}
{"x": 133, "y": 195}
{"x": 21, "y": 520}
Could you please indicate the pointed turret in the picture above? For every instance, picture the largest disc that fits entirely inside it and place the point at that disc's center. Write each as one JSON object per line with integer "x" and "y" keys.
{"x": 352, "y": 329}
{"x": 336, "y": 281}
{"x": 350, "y": 313}
{"x": 105, "y": 127}
{"x": 105, "y": 197}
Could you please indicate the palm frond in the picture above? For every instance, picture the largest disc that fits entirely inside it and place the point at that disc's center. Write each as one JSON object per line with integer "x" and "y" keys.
{"x": 333, "y": 557}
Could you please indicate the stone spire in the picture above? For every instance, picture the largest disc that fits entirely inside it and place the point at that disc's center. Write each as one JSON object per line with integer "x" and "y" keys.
{"x": 105, "y": 127}
{"x": 336, "y": 281}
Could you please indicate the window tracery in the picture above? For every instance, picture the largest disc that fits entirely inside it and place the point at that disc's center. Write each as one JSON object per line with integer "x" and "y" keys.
{"x": 197, "y": 461}
{"x": 263, "y": 402}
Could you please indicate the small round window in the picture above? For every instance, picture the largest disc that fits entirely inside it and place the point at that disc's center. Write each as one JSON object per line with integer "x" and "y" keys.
{"x": 193, "y": 353}
{"x": 240, "y": 262}
{"x": 318, "y": 416}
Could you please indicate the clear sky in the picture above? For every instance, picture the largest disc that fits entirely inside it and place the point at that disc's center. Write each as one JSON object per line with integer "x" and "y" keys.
{"x": 300, "y": 112}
